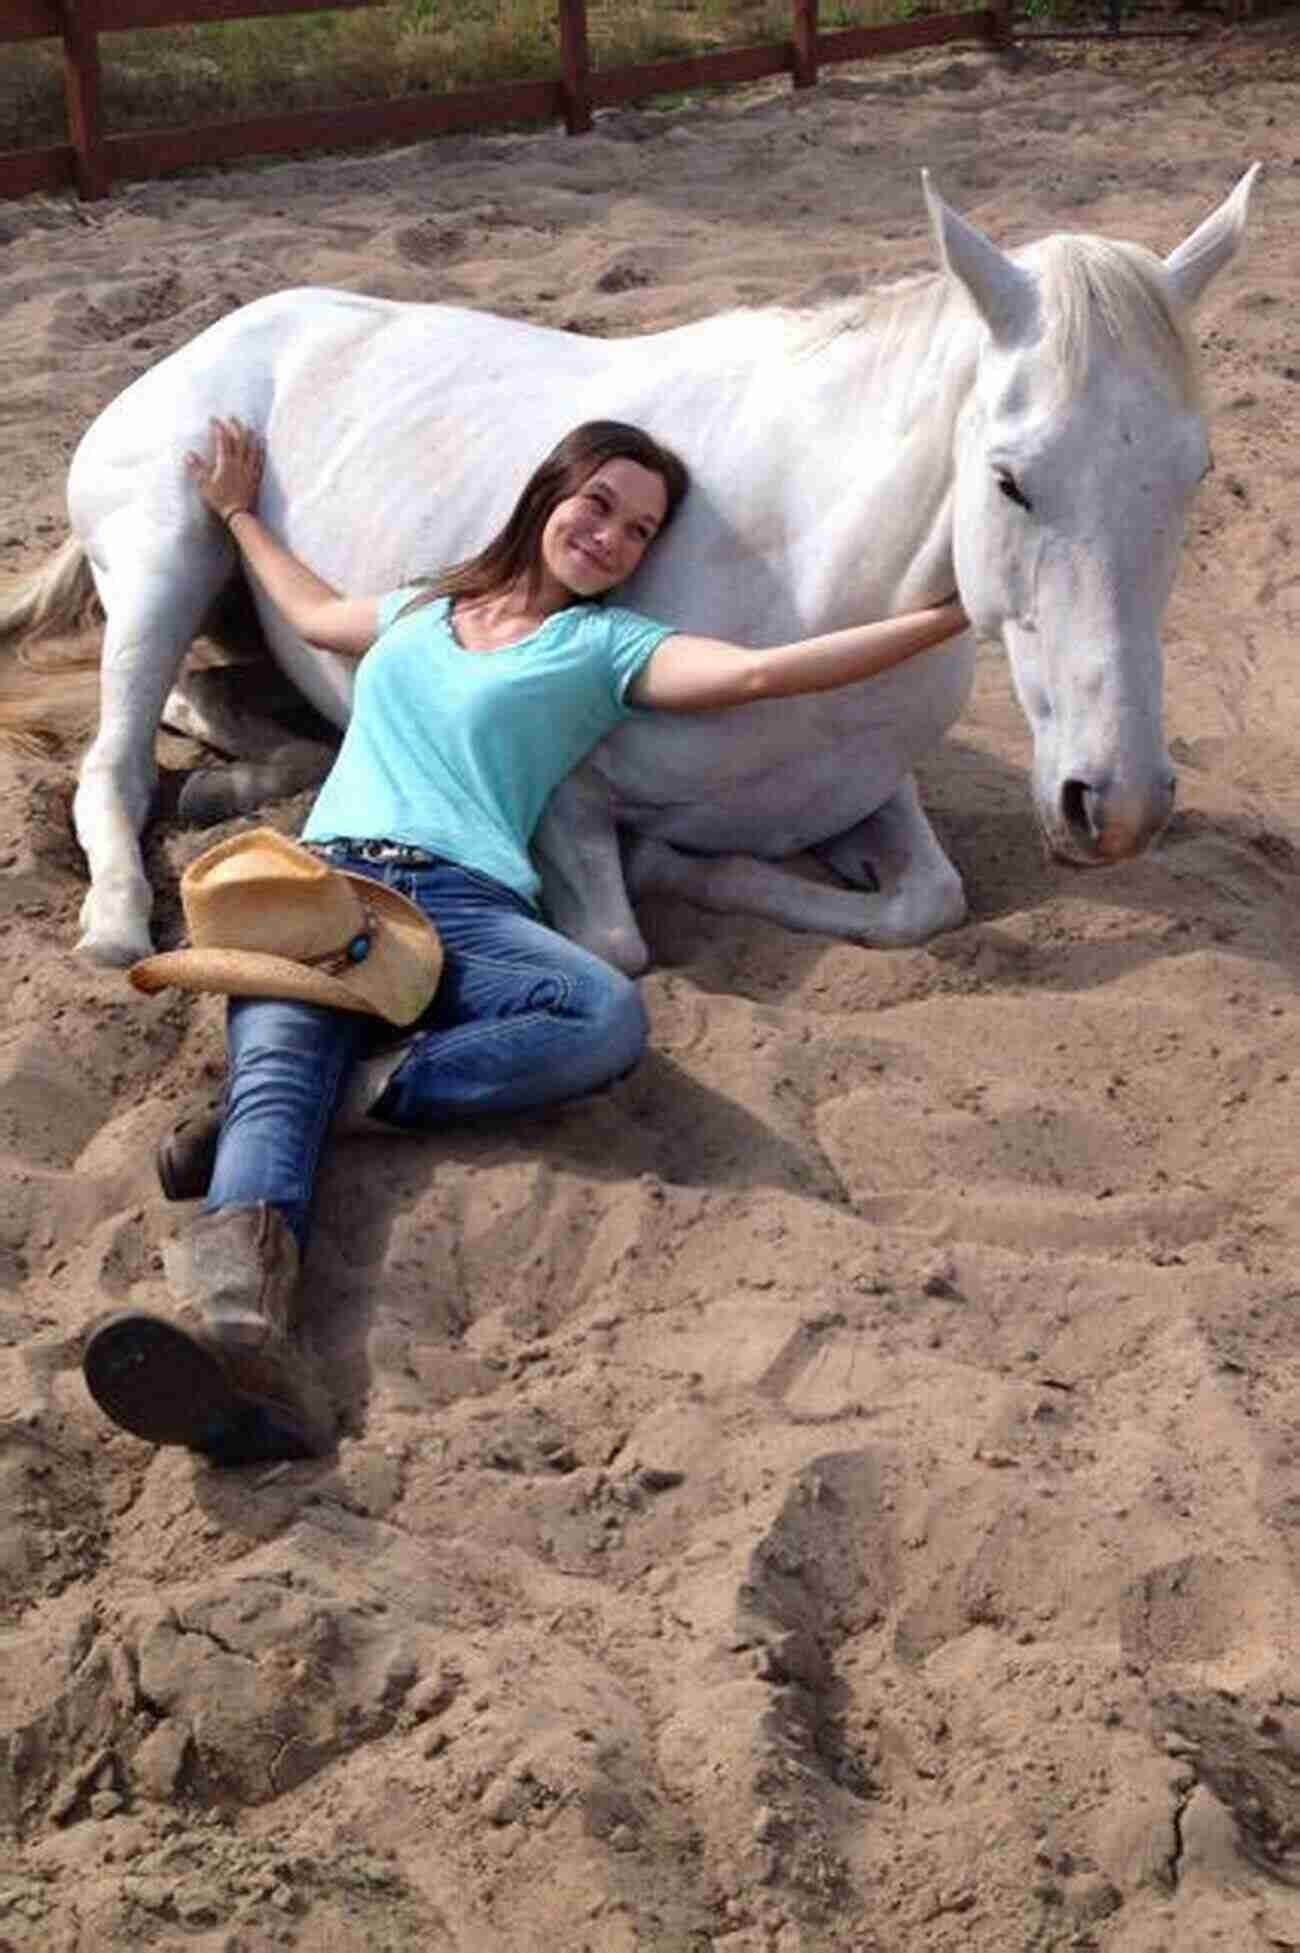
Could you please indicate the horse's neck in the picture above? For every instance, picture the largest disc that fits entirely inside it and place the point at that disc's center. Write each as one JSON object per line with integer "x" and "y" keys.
{"x": 875, "y": 407}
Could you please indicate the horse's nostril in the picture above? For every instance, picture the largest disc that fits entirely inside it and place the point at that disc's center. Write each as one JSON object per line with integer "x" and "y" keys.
{"x": 1081, "y": 807}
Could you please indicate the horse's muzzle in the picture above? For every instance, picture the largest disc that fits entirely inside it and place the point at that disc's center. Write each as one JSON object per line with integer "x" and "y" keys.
{"x": 1094, "y": 825}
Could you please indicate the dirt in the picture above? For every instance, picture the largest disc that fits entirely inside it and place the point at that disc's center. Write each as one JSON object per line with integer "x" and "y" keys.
{"x": 839, "y": 1490}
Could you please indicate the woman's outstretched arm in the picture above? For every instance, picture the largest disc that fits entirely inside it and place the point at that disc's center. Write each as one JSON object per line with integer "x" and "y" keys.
{"x": 228, "y": 481}
{"x": 699, "y": 674}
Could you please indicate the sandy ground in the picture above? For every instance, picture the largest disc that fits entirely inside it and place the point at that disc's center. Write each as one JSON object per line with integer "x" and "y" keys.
{"x": 840, "y": 1489}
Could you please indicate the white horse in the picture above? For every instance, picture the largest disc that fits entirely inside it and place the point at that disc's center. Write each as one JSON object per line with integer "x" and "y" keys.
{"x": 1028, "y": 427}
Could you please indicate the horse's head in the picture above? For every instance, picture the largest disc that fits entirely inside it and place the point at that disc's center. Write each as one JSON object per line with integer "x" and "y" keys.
{"x": 1077, "y": 453}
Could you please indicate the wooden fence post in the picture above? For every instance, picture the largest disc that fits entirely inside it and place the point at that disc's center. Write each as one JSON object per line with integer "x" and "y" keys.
{"x": 804, "y": 27}
{"x": 78, "y": 23}
{"x": 1002, "y": 31}
{"x": 575, "y": 66}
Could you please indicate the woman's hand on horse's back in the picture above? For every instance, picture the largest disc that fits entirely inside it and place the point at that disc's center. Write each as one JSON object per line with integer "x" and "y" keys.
{"x": 229, "y": 478}
{"x": 228, "y": 481}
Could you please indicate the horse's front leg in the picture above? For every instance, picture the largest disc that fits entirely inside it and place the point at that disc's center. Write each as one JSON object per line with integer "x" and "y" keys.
{"x": 154, "y": 605}
{"x": 896, "y": 854}
{"x": 904, "y": 887}
{"x": 583, "y": 890}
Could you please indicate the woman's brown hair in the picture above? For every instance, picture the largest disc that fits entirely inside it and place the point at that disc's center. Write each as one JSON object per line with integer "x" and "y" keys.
{"x": 515, "y": 552}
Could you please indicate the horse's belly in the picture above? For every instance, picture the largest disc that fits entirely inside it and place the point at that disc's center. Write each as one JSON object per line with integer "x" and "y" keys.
{"x": 774, "y": 817}
{"x": 774, "y": 778}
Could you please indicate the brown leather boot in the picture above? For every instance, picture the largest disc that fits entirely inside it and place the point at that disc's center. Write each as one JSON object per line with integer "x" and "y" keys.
{"x": 187, "y": 1154}
{"x": 229, "y": 1375}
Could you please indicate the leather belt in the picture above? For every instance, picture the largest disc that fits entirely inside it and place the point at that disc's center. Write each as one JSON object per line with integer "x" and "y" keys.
{"x": 399, "y": 852}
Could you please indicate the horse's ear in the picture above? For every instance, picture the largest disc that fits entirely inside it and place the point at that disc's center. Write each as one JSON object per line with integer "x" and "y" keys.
{"x": 1002, "y": 293}
{"x": 1211, "y": 244}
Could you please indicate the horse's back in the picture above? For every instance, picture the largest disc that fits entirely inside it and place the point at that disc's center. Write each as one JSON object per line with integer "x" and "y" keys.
{"x": 284, "y": 332}
{"x": 236, "y": 358}
{"x": 315, "y": 370}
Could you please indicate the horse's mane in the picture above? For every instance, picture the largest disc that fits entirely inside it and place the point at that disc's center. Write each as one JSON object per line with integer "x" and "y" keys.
{"x": 1092, "y": 289}
{"x": 1095, "y": 287}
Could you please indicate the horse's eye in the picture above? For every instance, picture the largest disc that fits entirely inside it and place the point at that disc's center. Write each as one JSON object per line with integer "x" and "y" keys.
{"x": 1010, "y": 487}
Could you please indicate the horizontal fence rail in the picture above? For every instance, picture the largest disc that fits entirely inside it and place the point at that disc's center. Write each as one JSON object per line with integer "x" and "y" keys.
{"x": 92, "y": 159}
{"x": 1112, "y": 27}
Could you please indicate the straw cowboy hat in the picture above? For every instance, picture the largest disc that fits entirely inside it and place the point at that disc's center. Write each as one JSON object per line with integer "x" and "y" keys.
{"x": 267, "y": 918}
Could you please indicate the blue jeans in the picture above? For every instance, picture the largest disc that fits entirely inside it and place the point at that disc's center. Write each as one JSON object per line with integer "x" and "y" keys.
{"x": 522, "y": 1018}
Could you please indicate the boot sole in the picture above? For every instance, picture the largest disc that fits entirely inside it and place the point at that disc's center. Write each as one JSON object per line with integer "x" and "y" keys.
{"x": 160, "y": 1384}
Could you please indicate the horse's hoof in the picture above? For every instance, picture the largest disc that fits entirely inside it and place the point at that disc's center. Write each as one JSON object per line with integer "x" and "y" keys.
{"x": 113, "y": 952}
{"x": 208, "y": 797}
{"x": 115, "y": 925}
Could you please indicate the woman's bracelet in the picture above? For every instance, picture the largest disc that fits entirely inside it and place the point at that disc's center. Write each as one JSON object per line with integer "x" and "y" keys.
{"x": 228, "y": 515}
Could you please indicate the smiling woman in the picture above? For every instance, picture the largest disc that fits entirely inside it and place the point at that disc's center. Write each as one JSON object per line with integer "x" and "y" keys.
{"x": 585, "y": 519}
{"x": 596, "y": 537}
{"x": 477, "y": 694}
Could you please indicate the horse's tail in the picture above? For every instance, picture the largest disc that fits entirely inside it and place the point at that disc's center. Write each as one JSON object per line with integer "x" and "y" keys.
{"x": 58, "y": 597}
{"x": 39, "y": 693}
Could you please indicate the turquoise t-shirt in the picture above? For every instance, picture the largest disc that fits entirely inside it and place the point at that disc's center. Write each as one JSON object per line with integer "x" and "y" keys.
{"x": 458, "y": 751}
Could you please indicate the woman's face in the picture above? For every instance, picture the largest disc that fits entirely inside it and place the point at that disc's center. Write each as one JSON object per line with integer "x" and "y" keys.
{"x": 597, "y": 536}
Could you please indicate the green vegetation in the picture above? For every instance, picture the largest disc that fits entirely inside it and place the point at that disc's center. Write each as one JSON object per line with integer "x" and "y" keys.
{"x": 174, "y": 76}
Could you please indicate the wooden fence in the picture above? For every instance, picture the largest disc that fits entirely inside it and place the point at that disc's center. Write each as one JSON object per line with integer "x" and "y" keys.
{"x": 92, "y": 158}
